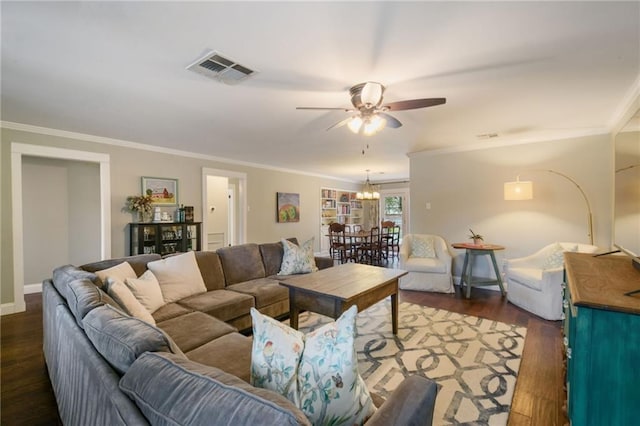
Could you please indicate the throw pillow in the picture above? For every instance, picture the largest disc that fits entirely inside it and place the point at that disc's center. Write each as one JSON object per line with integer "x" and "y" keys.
{"x": 422, "y": 247}
{"x": 125, "y": 298}
{"x": 328, "y": 388}
{"x": 147, "y": 290}
{"x": 555, "y": 259}
{"x": 275, "y": 356}
{"x": 179, "y": 276}
{"x": 331, "y": 390}
{"x": 297, "y": 259}
{"x": 120, "y": 272}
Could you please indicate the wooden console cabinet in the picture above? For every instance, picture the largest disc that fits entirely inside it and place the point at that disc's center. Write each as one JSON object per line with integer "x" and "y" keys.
{"x": 164, "y": 237}
{"x": 602, "y": 340}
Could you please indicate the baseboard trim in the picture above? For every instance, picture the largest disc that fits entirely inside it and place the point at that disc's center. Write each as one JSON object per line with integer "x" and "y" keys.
{"x": 33, "y": 288}
{"x": 11, "y": 308}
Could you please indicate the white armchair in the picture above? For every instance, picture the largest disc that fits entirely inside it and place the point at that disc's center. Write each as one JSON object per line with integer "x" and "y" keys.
{"x": 534, "y": 282}
{"x": 430, "y": 272}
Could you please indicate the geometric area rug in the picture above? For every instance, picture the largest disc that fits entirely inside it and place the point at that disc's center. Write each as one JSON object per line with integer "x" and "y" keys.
{"x": 474, "y": 361}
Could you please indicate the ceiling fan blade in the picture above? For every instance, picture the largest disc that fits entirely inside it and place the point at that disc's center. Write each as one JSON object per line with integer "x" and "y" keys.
{"x": 323, "y": 108}
{"x": 391, "y": 121}
{"x": 340, "y": 123}
{"x": 414, "y": 104}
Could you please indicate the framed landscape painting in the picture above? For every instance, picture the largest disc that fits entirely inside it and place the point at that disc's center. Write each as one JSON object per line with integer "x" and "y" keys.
{"x": 288, "y": 207}
{"x": 163, "y": 191}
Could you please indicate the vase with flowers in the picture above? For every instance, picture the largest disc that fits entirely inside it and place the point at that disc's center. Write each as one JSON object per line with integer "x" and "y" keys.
{"x": 140, "y": 204}
{"x": 477, "y": 238}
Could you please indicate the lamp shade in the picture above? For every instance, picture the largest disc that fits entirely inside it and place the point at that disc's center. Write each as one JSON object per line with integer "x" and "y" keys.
{"x": 518, "y": 190}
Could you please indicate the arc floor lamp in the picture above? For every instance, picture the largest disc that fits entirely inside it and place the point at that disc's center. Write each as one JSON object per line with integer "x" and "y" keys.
{"x": 523, "y": 190}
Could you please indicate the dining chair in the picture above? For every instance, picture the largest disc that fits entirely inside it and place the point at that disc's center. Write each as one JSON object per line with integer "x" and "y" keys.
{"x": 370, "y": 249}
{"x": 339, "y": 249}
{"x": 389, "y": 239}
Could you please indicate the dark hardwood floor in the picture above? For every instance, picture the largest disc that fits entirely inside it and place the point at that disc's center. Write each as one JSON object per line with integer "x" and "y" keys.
{"x": 27, "y": 397}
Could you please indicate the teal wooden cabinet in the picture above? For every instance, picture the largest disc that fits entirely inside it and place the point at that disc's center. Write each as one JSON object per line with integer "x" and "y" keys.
{"x": 602, "y": 339}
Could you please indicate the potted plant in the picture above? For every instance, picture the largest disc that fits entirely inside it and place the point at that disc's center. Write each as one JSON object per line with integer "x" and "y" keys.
{"x": 140, "y": 204}
{"x": 477, "y": 238}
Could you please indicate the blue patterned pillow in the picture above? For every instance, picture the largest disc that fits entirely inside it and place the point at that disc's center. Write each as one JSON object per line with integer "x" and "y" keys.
{"x": 322, "y": 367}
{"x": 555, "y": 259}
{"x": 332, "y": 392}
{"x": 297, "y": 260}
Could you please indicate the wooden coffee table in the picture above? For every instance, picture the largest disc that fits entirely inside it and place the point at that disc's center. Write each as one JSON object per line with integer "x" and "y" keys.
{"x": 333, "y": 290}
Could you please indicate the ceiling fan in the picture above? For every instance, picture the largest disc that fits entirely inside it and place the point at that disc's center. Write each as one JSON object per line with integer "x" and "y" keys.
{"x": 369, "y": 114}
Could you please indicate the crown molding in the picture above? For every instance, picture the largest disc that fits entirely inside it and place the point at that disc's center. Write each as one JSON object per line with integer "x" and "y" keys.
{"x": 595, "y": 131}
{"x": 628, "y": 107}
{"x": 144, "y": 147}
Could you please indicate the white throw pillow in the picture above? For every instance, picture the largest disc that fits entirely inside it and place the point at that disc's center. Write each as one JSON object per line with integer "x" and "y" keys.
{"x": 179, "y": 276}
{"x": 422, "y": 247}
{"x": 120, "y": 272}
{"x": 125, "y": 298}
{"x": 555, "y": 259}
{"x": 147, "y": 290}
{"x": 329, "y": 388}
{"x": 297, "y": 260}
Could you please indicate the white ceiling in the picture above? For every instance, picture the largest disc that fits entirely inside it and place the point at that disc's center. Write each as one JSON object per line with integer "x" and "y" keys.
{"x": 526, "y": 71}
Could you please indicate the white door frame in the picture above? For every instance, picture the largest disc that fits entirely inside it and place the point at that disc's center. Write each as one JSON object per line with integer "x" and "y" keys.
{"x": 231, "y": 223}
{"x": 18, "y": 150}
{"x": 405, "y": 207}
{"x": 241, "y": 214}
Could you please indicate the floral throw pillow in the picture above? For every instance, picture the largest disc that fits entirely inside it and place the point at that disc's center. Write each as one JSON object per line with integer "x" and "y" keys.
{"x": 297, "y": 259}
{"x": 331, "y": 390}
{"x": 317, "y": 372}
{"x": 422, "y": 247}
{"x": 275, "y": 356}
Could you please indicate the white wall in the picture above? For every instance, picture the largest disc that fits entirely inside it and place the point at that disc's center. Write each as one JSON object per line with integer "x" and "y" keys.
{"x": 465, "y": 190}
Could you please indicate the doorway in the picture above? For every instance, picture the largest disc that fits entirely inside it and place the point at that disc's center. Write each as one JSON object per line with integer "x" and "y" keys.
{"x": 394, "y": 206}
{"x": 21, "y": 151}
{"x": 224, "y": 204}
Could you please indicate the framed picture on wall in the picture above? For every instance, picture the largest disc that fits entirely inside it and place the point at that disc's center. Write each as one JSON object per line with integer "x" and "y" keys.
{"x": 163, "y": 191}
{"x": 288, "y": 207}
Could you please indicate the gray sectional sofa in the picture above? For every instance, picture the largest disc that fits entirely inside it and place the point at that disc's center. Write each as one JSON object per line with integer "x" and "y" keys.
{"x": 193, "y": 366}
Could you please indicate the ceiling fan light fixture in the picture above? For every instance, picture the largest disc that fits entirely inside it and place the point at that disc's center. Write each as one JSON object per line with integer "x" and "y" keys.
{"x": 355, "y": 124}
{"x": 374, "y": 124}
{"x": 371, "y": 94}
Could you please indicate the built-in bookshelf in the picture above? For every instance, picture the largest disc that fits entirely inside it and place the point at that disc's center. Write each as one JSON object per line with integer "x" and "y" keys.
{"x": 337, "y": 205}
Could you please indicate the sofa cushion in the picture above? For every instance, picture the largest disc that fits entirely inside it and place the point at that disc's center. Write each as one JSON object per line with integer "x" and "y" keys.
{"x": 170, "y": 310}
{"x": 83, "y": 296}
{"x": 555, "y": 256}
{"x": 265, "y": 291}
{"x": 222, "y": 304}
{"x": 328, "y": 387}
{"x": 119, "y": 272}
{"x": 425, "y": 264}
{"x": 120, "y": 339}
{"x": 230, "y": 353}
{"x": 137, "y": 262}
{"x": 179, "y": 276}
{"x": 127, "y": 301}
{"x": 297, "y": 259}
{"x": 147, "y": 290}
{"x": 194, "y": 329}
{"x": 167, "y": 388}
{"x": 63, "y": 275}
{"x": 241, "y": 263}
{"x": 211, "y": 269}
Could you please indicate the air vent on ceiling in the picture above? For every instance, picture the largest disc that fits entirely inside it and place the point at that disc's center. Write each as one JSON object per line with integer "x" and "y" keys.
{"x": 487, "y": 136}
{"x": 218, "y": 67}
